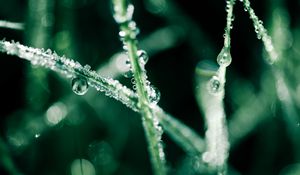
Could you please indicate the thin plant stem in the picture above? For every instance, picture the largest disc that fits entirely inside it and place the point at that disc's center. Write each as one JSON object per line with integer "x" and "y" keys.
{"x": 216, "y": 136}
{"x": 261, "y": 33}
{"x": 123, "y": 12}
{"x": 274, "y": 59}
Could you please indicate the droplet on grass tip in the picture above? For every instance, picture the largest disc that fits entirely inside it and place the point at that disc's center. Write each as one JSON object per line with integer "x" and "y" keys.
{"x": 79, "y": 86}
{"x": 224, "y": 57}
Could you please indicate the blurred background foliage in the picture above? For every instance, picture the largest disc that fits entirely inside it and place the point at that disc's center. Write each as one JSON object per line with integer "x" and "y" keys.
{"x": 46, "y": 129}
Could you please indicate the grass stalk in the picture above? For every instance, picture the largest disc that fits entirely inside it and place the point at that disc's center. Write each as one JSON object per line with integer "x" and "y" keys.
{"x": 217, "y": 142}
{"x": 123, "y": 12}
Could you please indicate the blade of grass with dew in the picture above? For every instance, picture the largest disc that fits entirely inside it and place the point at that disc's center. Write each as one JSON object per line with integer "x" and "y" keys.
{"x": 282, "y": 89}
{"x": 147, "y": 95}
{"x": 211, "y": 103}
{"x": 183, "y": 135}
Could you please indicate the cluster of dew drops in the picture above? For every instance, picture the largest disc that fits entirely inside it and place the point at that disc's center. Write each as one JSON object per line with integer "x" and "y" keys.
{"x": 80, "y": 85}
{"x": 215, "y": 84}
{"x": 130, "y": 35}
{"x": 152, "y": 92}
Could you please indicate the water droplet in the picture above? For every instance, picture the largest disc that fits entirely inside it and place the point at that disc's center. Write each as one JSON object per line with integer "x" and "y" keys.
{"x": 127, "y": 62}
{"x": 132, "y": 80}
{"x": 259, "y": 36}
{"x": 125, "y": 47}
{"x": 79, "y": 86}
{"x": 87, "y": 67}
{"x": 224, "y": 57}
{"x": 143, "y": 57}
{"x": 154, "y": 95}
{"x": 120, "y": 17}
{"x": 48, "y": 51}
{"x": 122, "y": 34}
{"x": 214, "y": 85}
{"x": 128, "y": 74}
{"x": 232, "y": 18}
{"x": 37, "y": 135}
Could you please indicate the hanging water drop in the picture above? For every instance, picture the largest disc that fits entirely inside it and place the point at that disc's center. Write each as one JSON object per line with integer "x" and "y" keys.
{"x": 214, "y": 85}
{"x": 154, "y": 95}
{"x": 224, "y": 57}
{"x": 143, "y": 57}
{"x": 127, "y": 62}
{"x": 128, "y": 73}
{"x": 79, "y": 86}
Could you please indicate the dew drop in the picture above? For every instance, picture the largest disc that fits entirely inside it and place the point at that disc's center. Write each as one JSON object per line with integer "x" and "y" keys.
{"x": 87, "y": 67}
{"x": 48, "y": 51}
{"x": 143, "y": 56}
{"x": 79, "y": 86}
{"x": 120, "y": 17}
{"x": 214, "y": 85}
{"x": 132, "y": 81}
{"x": 128, "y": 74}
{"x": 127, "y": 62}
{"x": 122, "y": 34}
{"x": 154, "y": 95}
{"x": 125, "y": 47}
{"x": 224, "y": 57}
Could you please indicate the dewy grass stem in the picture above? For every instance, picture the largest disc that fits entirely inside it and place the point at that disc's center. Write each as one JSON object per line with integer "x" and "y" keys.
{"x": 123, "y": 12}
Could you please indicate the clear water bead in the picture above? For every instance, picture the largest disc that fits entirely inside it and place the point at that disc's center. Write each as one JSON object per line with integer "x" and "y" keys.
{"x": 143, "y": 56}
{"x": 120, "y": 17}
{"x": 154, "y": 95}
{"x": 128, "y": 73}
{"x": 214, "y": 85}
{"x": 224, "y": 57}
{"x": 79, "y": 86}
